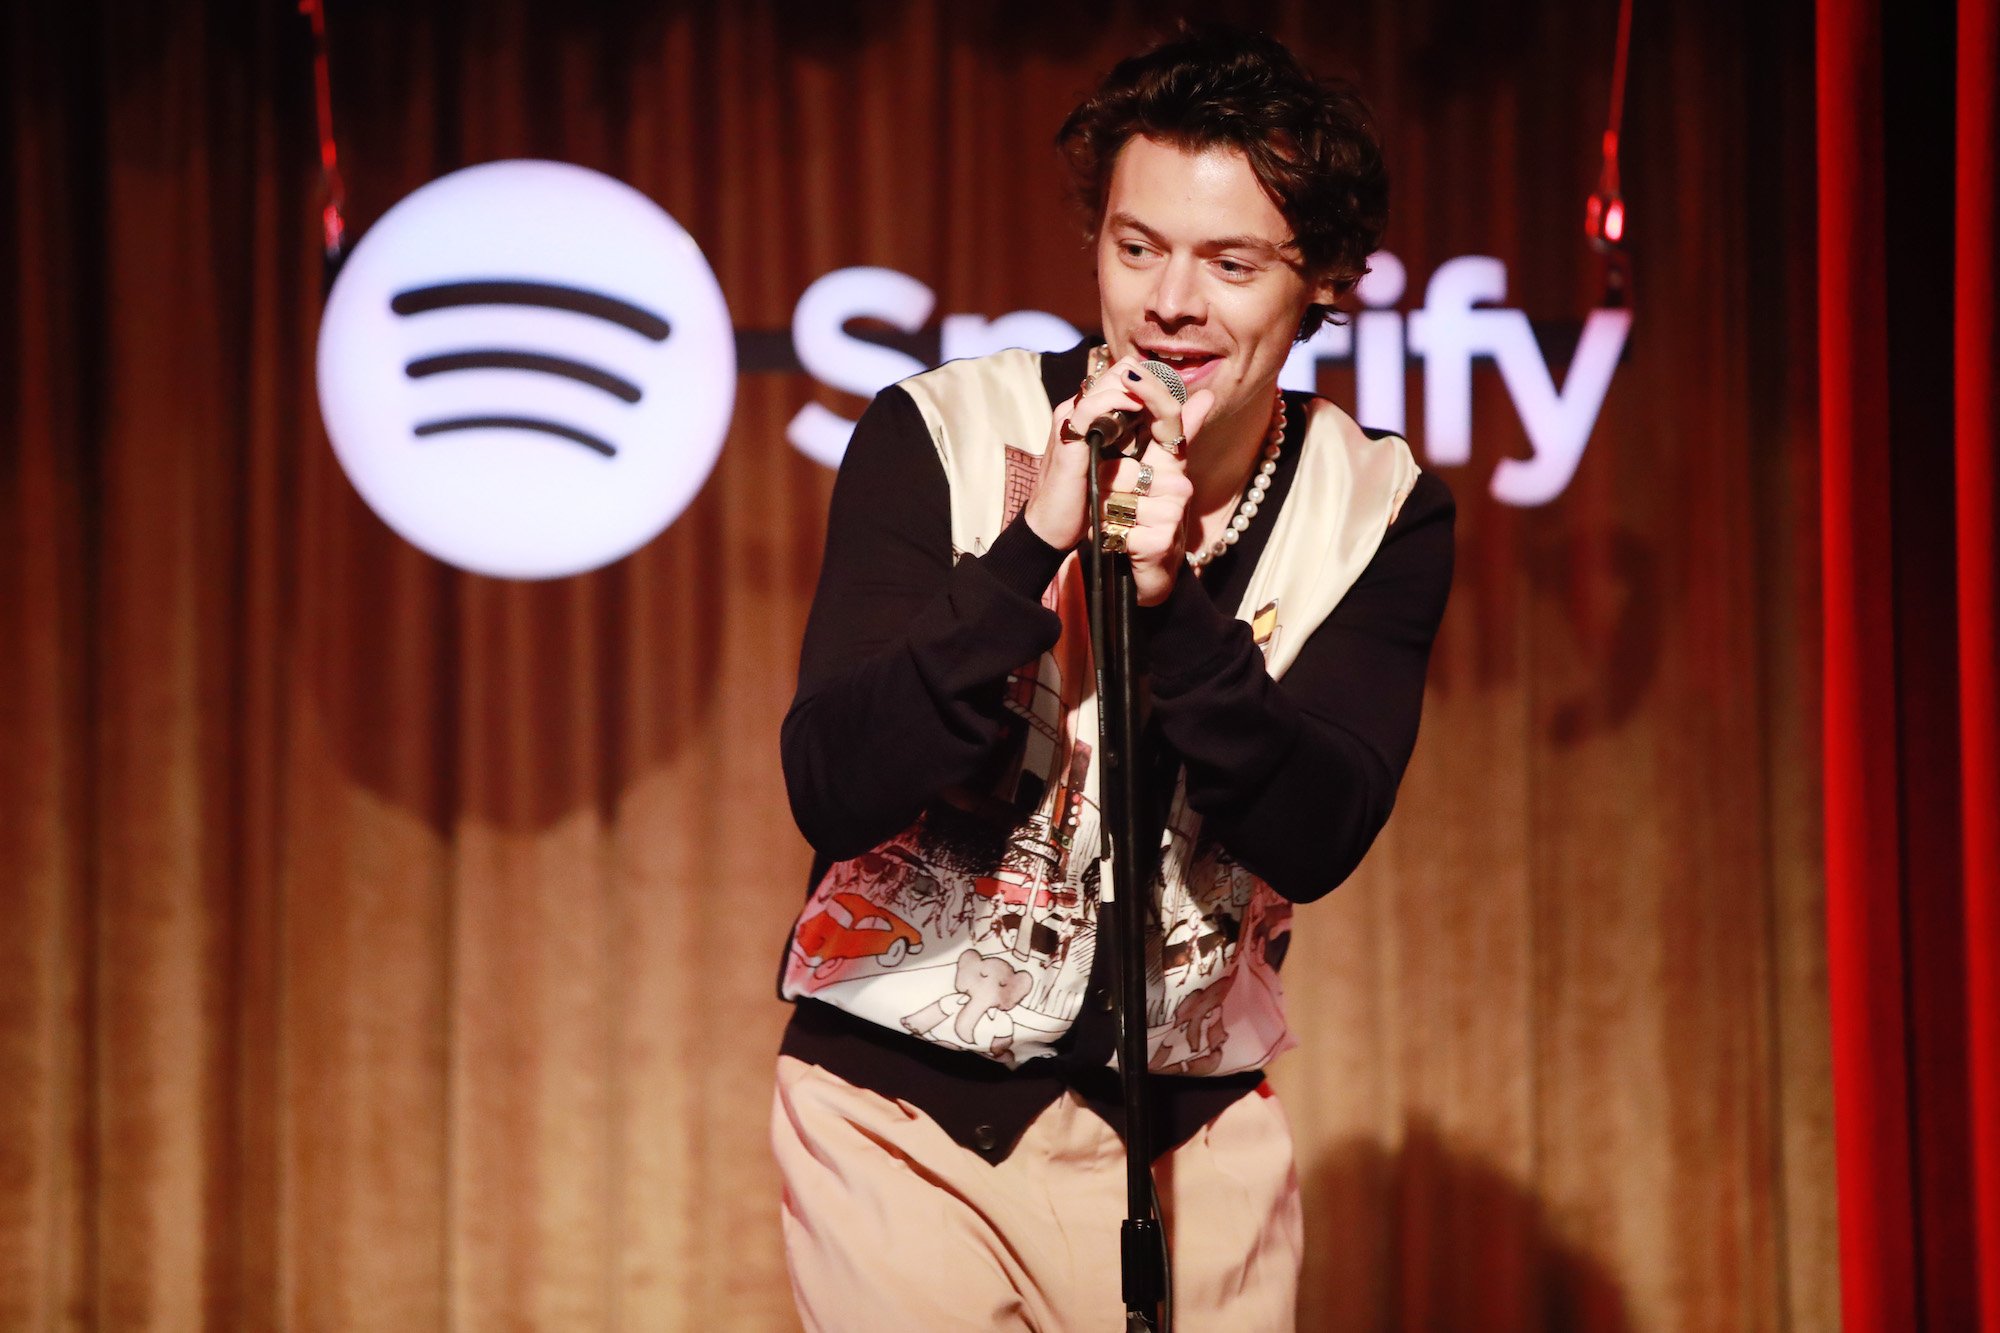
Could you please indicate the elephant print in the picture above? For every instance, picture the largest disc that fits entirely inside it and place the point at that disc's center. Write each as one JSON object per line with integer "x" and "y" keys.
{"x": 1199, "y": 1026}
{"x": 977, "y": 1011}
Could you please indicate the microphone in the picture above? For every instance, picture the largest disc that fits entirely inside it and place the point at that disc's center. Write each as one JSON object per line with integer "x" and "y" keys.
{"x": 1110, "y": 433}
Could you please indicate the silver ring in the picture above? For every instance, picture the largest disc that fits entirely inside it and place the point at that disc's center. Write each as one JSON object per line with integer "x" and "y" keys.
{"x": 1176, "y": 446}
{"x": 1144, "y": 485}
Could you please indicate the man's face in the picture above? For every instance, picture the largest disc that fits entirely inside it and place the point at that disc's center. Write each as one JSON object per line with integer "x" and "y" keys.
{"x": 1194, "y": 268}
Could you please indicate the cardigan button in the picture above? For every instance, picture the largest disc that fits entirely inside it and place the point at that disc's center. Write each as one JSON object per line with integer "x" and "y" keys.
{"x": 984, "y": 1137}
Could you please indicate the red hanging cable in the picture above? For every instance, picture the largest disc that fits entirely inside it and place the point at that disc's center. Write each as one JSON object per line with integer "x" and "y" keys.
{"x": 333, "y": 192}
{"x": 1604, "y": 219}
{"x": 1604, "y": 214}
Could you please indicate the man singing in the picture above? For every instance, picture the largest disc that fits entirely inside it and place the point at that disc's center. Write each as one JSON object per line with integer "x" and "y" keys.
{"x": 946, "y": 1117}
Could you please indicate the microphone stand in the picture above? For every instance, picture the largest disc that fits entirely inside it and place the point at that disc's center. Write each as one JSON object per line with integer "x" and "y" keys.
{"x": 1113, "y": 600}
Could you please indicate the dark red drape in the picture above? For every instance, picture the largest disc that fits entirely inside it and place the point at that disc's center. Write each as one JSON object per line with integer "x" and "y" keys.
{"x": 1907, "y": 238}
{"x": 1979, "y": 611}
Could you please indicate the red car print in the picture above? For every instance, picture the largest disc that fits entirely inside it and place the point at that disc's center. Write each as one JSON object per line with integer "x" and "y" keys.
{"x": 853, "y": 927}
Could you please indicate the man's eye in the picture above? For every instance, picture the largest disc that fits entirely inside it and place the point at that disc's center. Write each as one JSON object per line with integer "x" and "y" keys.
{"x": 1233, "y": 268}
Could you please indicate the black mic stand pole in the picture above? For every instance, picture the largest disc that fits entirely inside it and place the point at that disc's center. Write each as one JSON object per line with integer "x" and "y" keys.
{"x": 1142, "y": 1243}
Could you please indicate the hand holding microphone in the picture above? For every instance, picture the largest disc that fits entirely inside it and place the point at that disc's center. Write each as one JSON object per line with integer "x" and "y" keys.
{"x": 1115, "y": 431}
{"x": 1124, "y": 405}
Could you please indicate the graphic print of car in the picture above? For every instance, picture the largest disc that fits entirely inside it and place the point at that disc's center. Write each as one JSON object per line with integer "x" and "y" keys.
{"x": 852, "y": 927}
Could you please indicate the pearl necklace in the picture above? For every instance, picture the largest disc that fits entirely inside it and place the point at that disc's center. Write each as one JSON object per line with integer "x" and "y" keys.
{"x": 1253, "y": 496}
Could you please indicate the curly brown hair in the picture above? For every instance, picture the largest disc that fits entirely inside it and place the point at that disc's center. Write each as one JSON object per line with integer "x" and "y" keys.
{"x": 1310, "y": 140}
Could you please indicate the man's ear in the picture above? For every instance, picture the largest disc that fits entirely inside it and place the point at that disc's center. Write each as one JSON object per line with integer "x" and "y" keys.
{"x": 1324, "y": 292}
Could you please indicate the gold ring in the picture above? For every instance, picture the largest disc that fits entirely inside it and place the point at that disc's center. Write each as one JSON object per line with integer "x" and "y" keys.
{"x": 1114, "y": 538}
{"x": 1121, "y": 507}
{"x": 1067, "y": 433}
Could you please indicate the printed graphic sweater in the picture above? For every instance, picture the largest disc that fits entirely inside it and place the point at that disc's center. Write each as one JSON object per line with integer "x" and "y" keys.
{"x": 931, "y": 765}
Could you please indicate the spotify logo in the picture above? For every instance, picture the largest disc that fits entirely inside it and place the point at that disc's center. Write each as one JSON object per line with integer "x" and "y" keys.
{"x": 527, "y": 369}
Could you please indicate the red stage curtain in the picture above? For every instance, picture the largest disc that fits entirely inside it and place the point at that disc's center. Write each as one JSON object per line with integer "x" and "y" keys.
{"x": 1907, "y": 239}
{"x": 1978, "y": 601}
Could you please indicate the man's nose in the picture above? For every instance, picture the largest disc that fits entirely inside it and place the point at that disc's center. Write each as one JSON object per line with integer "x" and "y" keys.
{"x": 1176, "y": 297}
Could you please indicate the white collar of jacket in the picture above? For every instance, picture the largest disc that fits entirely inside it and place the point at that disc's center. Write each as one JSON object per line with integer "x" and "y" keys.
{"x": 1347, "y": 490}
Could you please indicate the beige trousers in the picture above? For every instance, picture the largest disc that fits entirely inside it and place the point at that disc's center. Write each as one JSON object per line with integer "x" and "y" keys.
{"x": 890, "y": 1225}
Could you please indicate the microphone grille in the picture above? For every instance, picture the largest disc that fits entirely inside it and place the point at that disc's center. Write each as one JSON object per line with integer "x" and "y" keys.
{"x": 1168, "y": 376}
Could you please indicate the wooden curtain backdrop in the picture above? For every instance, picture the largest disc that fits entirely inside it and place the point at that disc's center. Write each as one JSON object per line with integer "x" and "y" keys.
{"x": 390, "y": 948}
{"x": 1907, "y": 244}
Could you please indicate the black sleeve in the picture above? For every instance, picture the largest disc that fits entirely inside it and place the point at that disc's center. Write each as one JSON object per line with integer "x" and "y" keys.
{"x": 906, "y": 654}
{"x": 1296, "y": 778}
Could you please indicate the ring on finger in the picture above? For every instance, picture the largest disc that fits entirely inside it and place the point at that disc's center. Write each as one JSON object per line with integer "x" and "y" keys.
{"x": 1115, "y": 535}
{"x": 1144, "y": 485}
{"x": 1176, "y": 446}
{"x": 1068, "y": 433}
{"x": 1121, "y": 508}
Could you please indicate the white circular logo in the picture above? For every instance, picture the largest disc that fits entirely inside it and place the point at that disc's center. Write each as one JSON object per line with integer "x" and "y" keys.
{"x": 527, "y": 369}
